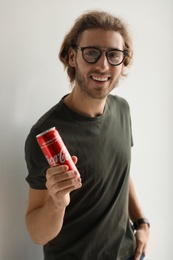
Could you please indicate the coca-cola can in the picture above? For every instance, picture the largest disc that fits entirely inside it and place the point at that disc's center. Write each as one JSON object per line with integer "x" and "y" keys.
{"x": 54, "y": 149}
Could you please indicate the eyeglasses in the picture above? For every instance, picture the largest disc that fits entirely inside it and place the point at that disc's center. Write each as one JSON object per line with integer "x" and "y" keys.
{"x": 92, "y": 54}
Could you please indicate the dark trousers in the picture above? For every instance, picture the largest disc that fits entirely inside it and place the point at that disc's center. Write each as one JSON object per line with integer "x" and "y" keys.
{"x": 132, "y": 257}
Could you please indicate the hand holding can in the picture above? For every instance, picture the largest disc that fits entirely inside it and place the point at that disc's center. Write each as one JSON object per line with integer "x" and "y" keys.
{"x": 54, "y": 149}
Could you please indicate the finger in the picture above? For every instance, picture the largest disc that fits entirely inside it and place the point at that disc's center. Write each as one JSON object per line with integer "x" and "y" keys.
{"x": 68, "y": 190}
{"x": 75, "y": 159}
{"x": 69, "y": 184}
{"x": 139, "y": 251}
{"x": 65, "y": 176}
{"x": 144, "y": 250}
{"x": 63, "y": 180}
{"x": 56, "y": 170}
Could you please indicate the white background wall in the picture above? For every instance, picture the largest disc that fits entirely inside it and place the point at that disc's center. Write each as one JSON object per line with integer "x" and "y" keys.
{"x": 33, "y": 80}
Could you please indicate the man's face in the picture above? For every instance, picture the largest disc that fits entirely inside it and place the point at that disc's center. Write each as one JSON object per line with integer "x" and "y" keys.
{"x": 98, "y": 79}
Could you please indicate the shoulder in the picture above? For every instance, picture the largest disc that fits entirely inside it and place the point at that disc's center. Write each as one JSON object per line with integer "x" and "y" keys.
{"x": 48, "y": 119}
{"x": 118, "y": 102}
{"x": 43, "y": 123}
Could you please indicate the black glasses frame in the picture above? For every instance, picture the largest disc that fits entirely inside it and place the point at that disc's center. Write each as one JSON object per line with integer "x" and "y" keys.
{"x": 125, "y": 53}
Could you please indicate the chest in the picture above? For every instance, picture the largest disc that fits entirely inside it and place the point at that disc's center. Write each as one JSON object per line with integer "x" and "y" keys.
{"x": 103, "y": 148}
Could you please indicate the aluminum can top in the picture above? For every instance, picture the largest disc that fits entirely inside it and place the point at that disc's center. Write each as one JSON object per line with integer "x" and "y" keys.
{"x": 46, "y": 131}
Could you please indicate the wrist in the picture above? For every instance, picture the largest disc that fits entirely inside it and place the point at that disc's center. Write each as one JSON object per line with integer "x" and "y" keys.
{"x": 142, "y": 222}
{"x": 55, "y": 207}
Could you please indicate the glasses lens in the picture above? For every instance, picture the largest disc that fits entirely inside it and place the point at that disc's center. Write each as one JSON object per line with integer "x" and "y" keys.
{"x": 91, "y": 55}
{"x": 115, "y": 57}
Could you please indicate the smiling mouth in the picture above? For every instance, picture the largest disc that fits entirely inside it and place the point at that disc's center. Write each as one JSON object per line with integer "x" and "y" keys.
{"x": 101, "y": 79}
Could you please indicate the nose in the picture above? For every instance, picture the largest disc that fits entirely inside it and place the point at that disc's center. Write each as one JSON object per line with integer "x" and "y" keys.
{"x": 102, "y": 64}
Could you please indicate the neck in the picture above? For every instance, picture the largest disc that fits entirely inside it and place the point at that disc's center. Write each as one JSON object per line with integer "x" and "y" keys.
{"x": 85, "y": 105}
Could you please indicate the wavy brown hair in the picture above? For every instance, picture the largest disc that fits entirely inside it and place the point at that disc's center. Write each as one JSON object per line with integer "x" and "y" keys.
{"x": 90, "y": 20}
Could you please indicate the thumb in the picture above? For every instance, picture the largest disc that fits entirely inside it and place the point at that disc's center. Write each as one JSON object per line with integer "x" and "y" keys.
{"x": 138, "y": 252}
{"x": 75, "y": 159}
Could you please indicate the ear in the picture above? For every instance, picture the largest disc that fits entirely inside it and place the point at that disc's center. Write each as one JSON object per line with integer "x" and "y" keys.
{"x": 72, "y": 56}
{"x": 124, "y": 71}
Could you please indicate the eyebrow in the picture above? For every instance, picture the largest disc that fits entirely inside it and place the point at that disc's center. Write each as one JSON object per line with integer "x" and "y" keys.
{"x": 101, "y": 48}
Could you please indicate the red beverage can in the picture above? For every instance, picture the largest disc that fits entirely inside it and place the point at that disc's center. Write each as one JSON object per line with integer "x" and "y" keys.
{"x": 54, "y": 149}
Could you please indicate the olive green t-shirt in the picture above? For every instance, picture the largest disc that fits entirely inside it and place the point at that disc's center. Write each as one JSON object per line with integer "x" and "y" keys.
{"x": 96, "y": 223}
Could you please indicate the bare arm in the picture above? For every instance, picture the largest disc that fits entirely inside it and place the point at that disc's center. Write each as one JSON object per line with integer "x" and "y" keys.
{"x": 135, "y": 211}
{"x": 43, "y": 219}
{"x": 46, "y": 209}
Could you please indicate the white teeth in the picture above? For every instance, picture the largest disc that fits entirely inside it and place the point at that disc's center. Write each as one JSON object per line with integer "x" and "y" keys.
{"x": 100, "y": 79}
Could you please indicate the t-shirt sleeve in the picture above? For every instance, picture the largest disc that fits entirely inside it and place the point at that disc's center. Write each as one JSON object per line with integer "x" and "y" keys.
{"x": 35, "y": 161}
{"x": 126, "y": 109}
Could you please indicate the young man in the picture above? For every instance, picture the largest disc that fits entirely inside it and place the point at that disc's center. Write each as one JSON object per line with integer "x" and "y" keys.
{"x": 88, "y": 217}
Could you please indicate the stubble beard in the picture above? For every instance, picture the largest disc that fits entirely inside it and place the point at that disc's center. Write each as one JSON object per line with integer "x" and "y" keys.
{"x": 96, "y": 93}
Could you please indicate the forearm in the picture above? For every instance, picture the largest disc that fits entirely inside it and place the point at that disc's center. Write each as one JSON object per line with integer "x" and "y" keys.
{"x": 135, "y": 209}
{"x": 136, "y": 213}
{"x": 45, "y": 223}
